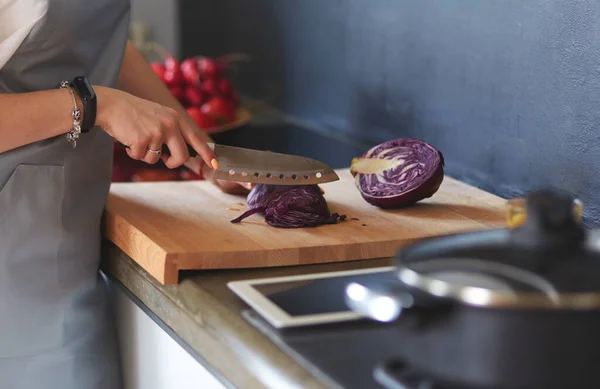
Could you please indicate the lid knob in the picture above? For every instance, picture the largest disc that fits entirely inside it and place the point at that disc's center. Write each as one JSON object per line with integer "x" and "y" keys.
{"x": 552, "y": 220}
{"x": 550, "y": 210}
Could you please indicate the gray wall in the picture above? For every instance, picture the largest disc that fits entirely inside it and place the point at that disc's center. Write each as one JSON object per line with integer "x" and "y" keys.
{"x": 507, "y": 89}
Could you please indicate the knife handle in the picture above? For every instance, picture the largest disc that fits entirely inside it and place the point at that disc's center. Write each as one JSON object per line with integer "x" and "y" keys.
{"x": 165, "y": 149}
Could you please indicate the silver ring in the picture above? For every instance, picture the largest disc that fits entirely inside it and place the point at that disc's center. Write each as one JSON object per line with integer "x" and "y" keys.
{"x": 157, "y": 152}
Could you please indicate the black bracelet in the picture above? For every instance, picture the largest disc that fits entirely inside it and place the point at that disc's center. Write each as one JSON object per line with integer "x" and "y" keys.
{"x": 88, "y": 99}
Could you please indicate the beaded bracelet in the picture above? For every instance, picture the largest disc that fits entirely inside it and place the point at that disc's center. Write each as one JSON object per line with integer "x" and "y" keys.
{"x": 76, "y": 114}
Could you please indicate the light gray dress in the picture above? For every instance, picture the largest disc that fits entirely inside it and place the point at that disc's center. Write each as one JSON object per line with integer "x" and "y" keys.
{"x": 55, "y": 327}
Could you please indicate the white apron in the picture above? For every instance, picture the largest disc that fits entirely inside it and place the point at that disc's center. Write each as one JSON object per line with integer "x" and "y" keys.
{"x": 55, "y": 328}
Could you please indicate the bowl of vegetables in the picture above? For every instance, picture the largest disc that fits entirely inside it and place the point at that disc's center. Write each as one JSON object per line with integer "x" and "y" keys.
{"x": 203, "y": 86}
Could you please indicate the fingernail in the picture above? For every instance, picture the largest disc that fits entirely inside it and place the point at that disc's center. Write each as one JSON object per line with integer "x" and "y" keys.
{"x": 214, "y": 163}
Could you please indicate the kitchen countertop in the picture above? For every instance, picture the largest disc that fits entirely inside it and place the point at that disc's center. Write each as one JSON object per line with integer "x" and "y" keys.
{"x": 204, "y": 316}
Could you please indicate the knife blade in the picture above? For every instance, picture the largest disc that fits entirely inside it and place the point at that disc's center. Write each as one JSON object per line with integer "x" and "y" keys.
{"x": 265, "y": 167}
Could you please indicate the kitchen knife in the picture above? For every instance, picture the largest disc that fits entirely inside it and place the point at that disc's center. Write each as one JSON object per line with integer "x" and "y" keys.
{"x": 265, "y": 167}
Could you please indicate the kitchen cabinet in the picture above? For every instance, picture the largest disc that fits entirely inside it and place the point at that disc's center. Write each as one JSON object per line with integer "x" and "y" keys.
{"x": 151, "y": 358}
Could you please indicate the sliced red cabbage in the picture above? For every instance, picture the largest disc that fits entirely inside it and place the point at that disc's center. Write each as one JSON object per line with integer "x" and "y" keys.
{"x": 399, "y": 172}
{"x": 290, "y": 206}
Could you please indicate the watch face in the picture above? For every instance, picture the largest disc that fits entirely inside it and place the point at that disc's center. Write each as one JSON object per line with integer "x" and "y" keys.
{"x": 84, "y": 87}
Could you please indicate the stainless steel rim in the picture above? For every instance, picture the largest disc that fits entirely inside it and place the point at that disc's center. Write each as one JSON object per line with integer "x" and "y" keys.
{"x": 550, "y": 298}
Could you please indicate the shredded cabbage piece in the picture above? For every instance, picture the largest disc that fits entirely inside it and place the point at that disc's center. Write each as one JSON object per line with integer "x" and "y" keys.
{"x": 286, "y": 206}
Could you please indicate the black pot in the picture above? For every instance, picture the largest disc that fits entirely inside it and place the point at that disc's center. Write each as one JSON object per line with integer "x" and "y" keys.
{"x": 509, "y": 308}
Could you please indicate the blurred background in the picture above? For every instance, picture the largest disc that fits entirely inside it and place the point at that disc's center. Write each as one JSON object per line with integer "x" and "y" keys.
{"x": 507, "y": 90}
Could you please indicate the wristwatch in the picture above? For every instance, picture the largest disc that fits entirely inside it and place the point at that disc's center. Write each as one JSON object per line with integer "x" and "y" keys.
{"x": 88, "y": 98}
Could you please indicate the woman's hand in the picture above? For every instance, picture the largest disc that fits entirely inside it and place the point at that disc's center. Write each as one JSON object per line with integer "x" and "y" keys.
{"x": 143, "y": 125}
{"x": 231, "y": 187}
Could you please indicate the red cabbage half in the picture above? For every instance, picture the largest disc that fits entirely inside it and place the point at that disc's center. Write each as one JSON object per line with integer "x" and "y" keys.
{"x": 398, "y": 173}
{"x": 292, "y": 206}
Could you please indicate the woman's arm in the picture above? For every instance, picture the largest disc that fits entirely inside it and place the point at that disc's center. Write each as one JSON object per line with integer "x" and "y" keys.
{"x": 138, "y": 78}
{"x": 138, "y": 123}
{"x": 30, "y": 117}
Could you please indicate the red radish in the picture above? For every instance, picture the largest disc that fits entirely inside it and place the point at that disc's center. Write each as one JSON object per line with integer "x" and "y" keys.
{"x": 159, "y": 68}
{"x": 173, "y": 77}
{"x": 191, "y": 76}
{"x": 210, "y": 87}
{"x": 193, "y": 95}
{"x": 189, "y": 69}
{"x": 178, "y": 92}
{"x": 228, "y": 91}
{"x": 188, "y": 63}
{"x": 221, "y": 109}
{"x": 208, "y": 68}
{"x": 171, "y": 63}
{"x": 202, "y": 120}
{"x": 225, "y": 87}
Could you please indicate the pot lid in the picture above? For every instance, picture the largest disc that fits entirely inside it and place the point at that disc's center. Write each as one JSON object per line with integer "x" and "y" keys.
{"x": 548, "y": 261}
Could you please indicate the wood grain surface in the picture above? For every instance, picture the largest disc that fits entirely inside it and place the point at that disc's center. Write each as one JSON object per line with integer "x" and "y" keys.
{"x": 171, "y": 226}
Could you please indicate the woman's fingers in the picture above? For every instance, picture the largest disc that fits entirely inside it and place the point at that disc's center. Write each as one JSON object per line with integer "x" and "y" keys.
{"x": 153, "y": 151}
{"x": 192, "y": 137}
{"x": 178, "y": 151}
{"x": 138, "y": 148}
{"x": 230, "y": 187}
{"x": 248, "y": 185}
{"x": 195, "y": 165}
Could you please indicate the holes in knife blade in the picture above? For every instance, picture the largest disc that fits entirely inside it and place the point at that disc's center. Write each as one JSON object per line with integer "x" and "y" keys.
{"x": 257, "y": 174}
{"x": 318, "y": 175}
{"x": 294, "y": 176}
{"x": 231, "y": 172}
{"x": 306, "y": 176}
{"x": 268, "y": 175}
{"x": 281, "y": 176}
{"x": 244, "y": 174}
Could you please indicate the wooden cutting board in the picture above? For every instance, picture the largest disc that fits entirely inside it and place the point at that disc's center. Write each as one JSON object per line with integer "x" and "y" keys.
{"x": 172, "y": 226}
